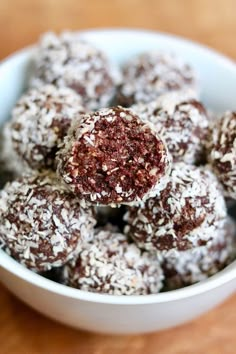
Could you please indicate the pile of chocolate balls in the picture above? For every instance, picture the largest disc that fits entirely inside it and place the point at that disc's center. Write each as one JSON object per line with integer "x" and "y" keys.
{"x": 118, "y": 176}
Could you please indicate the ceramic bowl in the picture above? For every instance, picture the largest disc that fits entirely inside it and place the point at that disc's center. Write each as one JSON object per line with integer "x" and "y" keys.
{"x": 123, "y": 314}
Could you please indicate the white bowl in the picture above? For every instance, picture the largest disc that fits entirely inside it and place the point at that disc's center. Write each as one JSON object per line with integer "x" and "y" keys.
{"x": 123, "y": 314}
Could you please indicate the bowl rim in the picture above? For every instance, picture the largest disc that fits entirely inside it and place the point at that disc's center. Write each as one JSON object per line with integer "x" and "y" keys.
{"x": 226, "y": 275}
{"x": 217, "y": 280}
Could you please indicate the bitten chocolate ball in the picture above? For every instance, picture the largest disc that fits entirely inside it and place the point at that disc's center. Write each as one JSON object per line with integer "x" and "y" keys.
{"x": 112, "y": 157}
{"x": 185, "y": 215}
{"x": 222, "y": 152}
{"x": 111, "y": 265}
{"x": 183, "y": 268}
{"x": 152, "y": 74}
{"x": 182, "y": 122}
{"x": 41, "y": 224}
{"x": 40, "y": 120}
{"x": 66, "y": 60}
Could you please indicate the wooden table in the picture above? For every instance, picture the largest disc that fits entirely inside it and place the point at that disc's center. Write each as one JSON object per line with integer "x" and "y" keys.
{"x": 211, "y": 22}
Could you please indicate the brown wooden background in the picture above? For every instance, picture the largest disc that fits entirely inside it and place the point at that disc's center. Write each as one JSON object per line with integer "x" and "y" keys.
{"x": 212, "y": 22}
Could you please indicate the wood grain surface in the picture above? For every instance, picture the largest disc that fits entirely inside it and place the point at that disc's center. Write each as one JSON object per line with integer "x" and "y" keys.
{"x": 212, "y": 22}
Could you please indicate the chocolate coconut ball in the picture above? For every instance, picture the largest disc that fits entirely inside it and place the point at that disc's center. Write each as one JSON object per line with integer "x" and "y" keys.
{"x": 152, "y": 74}
{"x": 182, "y": 122}
{"x": 111, "y": 157}
{"x": 113, "y": 266}
{"x": 66, "y": 60}
{"x": 183, "y": 268}
{"x": 222, "y": 152}
{"x": 40, "y": 120}
{"x": 185, "y": 215}
{"x": 41, "y": 224}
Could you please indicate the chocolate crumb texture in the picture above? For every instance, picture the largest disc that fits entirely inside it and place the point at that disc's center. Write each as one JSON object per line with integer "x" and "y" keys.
{"x": 111, "y": 265}
{"x": 151, "y": 74}
{"x": 41, "y": 223}
{"x": 221, "y": 149}
{"x": 121, "y": 200}
{"x": 185, "y": 215}
{"x": 111, "y": 157}
{"x": 67, "y": 60}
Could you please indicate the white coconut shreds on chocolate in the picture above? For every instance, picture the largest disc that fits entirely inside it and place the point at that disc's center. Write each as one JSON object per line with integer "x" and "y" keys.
{"x": 66, "y": 60}
{"x": 10, "y": 161}
{"x": 42, "y": 224}
{"x": 183, "y": 268}
{"x": 182, "y": 122}
{"x": 40, "y": 120}
{"x": 151, "y": 74}
{"x": 222, "y": 152}
{"x": 185, "y": 215}
{"x": 113, "y": 266}
{"x": 111, "y": 157}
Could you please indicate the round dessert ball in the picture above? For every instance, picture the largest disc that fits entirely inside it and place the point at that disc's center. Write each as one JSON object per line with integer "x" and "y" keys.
{"x": 185, "y": 215}
{"x": 183, "y": 268}
{"x": 222, "y": 152}
{"x": 40, "y": 120}
{"x": 111, "y": 157}
{"x": 182, "y": 122}
{"x": 152, "y": 74}
{"x": 66, "y": 60}
{"x": 42, "y": 224}
{"x": 113, "y": 266}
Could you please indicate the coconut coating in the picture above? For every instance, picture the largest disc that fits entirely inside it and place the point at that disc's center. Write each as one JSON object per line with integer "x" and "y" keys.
{"x": 113, "y": 266}
{"x": 12, "y": 166}
{"x": 183, "y": 268}
{"x": 186, "y": 214}
{"x": 152, "y": 74}
{"x": 111, "y": 157}
{"x": 182, "y": 122}
{"x": 222, "y": 152}
{"x": 42, "y": 224}
{"x": 40, "y": 120}
{"x": 66, "y": 60}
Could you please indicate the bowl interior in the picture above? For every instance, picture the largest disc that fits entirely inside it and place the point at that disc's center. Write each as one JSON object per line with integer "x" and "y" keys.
{"x": 217, "y": 80}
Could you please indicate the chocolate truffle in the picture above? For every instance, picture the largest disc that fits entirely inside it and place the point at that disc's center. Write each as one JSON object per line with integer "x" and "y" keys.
{"x": 182, "y": 122}
{"x": 40, "y": 120}
{"x": 111, "y": 157}
{"x": 42, "y": 224}
{"x": 221, "y": 148}
{"x": 113, "y": 266}
{"x": 66, "y": 60}
{"x": 186, "y": 214}
{"x": 183, "y": 268}
{"x": 152, "y": 74}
